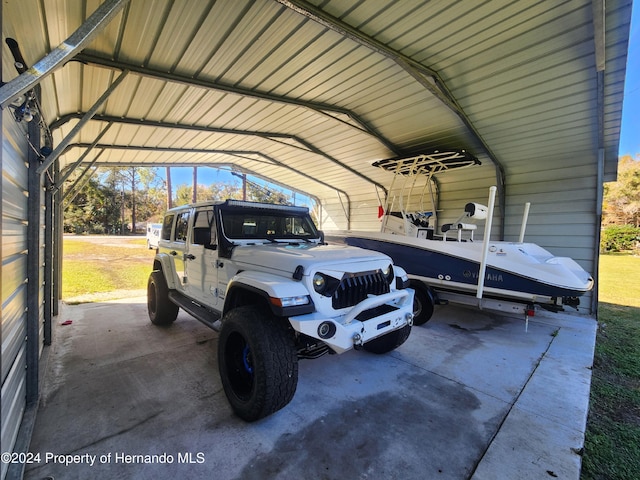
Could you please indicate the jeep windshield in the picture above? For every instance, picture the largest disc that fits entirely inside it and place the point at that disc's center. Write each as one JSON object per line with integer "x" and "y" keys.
{"x": 269, "y": 223}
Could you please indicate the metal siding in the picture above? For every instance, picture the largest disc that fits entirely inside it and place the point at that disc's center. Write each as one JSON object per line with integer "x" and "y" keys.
{"x": 182, "y": 32}
{"x": 250, "y": 25}
{"x": 13, "y": 271}
{"x": 333, "y": 217}
{"x": 13, "y": 404}
{"x": 68, "y": 78}
{"x": 617, "y": 24}
{"x": 93, "y": 86}
{"x": 13, "y": 326}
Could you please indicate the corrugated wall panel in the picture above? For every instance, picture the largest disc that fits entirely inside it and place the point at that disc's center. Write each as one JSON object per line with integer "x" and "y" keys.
{"x": 13, "y": 326}
{"x": 618, "y": 21}
{"x": 13, "y": 404}
{"x": 14, "y": 273}
{"x": 179, "y": 31}
{"x": 563, "y": 208}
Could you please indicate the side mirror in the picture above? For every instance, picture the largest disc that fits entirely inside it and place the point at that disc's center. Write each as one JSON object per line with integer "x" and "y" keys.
{"x": 321, "y": 233}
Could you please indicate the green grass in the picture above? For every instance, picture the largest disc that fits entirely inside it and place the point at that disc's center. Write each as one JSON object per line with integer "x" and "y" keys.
{"x": 612, "y": 440}
{"x": 619, "y": 279}
{"x": 110, "y": 270}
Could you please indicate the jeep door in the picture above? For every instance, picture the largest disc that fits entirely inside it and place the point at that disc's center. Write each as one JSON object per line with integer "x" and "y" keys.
{"x": 178, "y": 246}
{"x": 201, "y": 258}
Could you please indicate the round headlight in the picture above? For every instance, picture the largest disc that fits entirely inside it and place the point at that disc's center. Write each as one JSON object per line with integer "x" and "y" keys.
{"x": 319, "y": 282}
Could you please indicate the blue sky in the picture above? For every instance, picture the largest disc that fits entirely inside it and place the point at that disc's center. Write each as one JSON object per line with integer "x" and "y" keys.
{"x": 630, "y": 134}
{"x": 208, "y": 176}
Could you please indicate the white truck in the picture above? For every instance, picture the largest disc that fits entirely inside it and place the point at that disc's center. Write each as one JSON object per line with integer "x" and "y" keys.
{"x": 263, "y": 277}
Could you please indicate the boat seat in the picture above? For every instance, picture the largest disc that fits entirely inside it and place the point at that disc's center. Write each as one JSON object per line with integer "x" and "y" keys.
{"x": 459, "y": 227}
{"x": 473, "y": 211}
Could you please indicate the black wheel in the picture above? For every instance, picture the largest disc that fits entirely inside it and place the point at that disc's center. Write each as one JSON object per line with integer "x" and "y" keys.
{"x": 257, "y": 361}
{"x": 388, "y": 342}
{"x": 423, "y": 304}
{"x": 162, "y": 311}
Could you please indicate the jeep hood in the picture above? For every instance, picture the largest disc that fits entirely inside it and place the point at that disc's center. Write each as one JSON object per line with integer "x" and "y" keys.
{"x": 286, "y": 258}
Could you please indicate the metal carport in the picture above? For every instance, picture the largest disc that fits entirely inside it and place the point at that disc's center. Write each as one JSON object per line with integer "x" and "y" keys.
{"x": 308, "y": 95}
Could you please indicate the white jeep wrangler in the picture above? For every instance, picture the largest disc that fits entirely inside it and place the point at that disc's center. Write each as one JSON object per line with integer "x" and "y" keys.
{"x": 264, "y": 278}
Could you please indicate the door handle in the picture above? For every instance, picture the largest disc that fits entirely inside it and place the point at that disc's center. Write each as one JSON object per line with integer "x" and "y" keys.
{"x": 189, "y": 256}
{"x": 173, "y": 252}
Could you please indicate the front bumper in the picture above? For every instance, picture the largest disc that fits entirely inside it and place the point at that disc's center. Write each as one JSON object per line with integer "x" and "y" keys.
{"x": 345, "y": 332}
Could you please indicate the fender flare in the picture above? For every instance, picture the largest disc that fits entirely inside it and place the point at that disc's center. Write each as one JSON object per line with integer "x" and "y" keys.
{"x": 163, "y": 263}
{"x": 269, "y": 287}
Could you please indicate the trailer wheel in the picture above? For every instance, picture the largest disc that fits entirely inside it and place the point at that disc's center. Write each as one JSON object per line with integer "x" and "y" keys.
{"x": 423, "y": 304}
{"x": 162, "y": 311}
{"x": 257, "y": 361}
{"x": 388, "y": 342}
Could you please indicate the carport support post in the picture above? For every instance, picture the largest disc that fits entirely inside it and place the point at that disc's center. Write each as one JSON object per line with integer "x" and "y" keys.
{"x": 50, "y": 243}
{"x": 57, "y": 258}
{"x": 33, "y": 262}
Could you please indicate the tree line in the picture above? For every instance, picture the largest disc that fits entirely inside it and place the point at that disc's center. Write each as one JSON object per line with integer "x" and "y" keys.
{"x": 621, "y": 209}
{"x": 121, "y": 200}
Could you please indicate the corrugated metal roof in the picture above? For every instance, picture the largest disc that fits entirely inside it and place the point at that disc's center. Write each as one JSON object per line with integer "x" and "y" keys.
{"x": 339, "y": 84}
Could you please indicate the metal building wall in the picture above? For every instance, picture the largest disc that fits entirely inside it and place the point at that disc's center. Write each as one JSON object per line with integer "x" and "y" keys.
{"x": 22, "y": 280}
{"x": 563, "y": 218}
{"x": 14, "y": 279}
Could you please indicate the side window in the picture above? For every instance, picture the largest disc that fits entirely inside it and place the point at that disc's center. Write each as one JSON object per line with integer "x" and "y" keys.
{"x": 182, "y": 227}
{"x": 166, "y": 227}
{"x": 204, "y": 232}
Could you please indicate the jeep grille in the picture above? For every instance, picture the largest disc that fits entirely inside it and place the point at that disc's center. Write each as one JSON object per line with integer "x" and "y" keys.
{"x": 354, "y": 288}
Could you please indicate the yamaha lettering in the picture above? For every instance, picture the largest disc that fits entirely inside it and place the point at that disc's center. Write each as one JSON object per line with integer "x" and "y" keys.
{"x": 492, "y": 277}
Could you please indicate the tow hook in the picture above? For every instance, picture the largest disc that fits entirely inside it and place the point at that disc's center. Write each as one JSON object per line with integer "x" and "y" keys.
{"x": 357, "y": 340}
{"x": 409, "y": 318}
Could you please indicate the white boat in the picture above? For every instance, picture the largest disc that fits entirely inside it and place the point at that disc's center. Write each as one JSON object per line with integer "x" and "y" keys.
{"x": 453, "y": 267}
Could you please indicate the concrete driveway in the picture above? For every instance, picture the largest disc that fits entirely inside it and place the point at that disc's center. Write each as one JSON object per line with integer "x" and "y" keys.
{"x": 470, "y": 395}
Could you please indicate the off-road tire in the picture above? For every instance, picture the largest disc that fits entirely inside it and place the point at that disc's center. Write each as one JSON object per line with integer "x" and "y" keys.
{"x": 388, "y": 342}
{"x": 257, "y": 361}
{"x": 162, "y": 311}
{"x": 423, "y": 304}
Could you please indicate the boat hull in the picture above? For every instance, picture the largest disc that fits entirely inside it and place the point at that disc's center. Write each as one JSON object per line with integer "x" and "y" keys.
{"x": 523, "y": 272}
